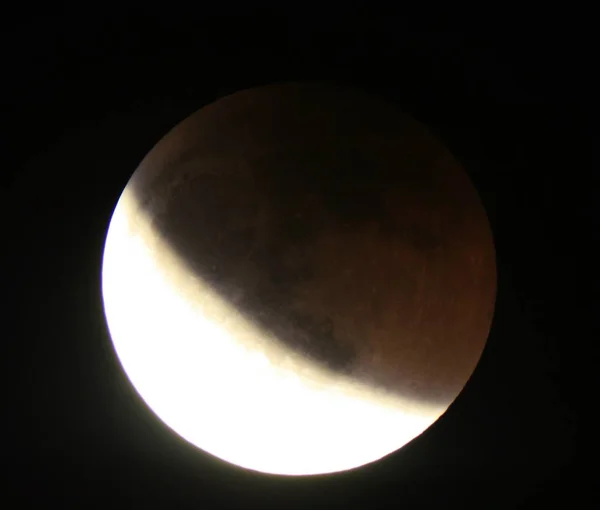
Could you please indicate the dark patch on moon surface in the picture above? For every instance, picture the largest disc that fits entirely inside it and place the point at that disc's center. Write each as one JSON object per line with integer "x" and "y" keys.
{"x": 335, "y": 223}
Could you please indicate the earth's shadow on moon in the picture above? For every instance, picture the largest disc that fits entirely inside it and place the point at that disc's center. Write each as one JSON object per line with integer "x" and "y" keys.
{"x": 281, "y": 198}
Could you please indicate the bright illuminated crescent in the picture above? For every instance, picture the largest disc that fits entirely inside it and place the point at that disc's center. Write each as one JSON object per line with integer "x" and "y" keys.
{"x": 298, "y": 279}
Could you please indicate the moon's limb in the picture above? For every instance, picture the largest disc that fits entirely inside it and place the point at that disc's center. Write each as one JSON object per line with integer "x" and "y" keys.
{"x": 284, "y": 319}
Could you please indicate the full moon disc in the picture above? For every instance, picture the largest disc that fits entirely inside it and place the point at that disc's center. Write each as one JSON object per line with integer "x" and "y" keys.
{"x": 299, "y": 279}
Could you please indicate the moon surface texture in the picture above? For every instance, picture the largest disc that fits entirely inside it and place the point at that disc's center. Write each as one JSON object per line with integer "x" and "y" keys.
{"x": 299, "y": 279}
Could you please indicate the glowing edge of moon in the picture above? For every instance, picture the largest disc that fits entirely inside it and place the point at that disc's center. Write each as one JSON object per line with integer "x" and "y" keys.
{"x": 213, "y": 377}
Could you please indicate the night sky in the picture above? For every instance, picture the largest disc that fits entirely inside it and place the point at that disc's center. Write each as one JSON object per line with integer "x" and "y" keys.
{"x": 89, "y": 95}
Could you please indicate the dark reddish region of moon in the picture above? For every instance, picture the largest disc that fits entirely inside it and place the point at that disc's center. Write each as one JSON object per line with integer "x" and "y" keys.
{"x": 337, "y": 223}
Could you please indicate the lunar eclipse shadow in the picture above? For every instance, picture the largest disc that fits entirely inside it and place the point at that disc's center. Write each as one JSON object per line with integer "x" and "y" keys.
{"x": 270, "y": 189}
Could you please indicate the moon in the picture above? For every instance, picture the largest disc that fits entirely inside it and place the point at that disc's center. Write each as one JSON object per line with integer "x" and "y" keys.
{"x": 299, "y": 279}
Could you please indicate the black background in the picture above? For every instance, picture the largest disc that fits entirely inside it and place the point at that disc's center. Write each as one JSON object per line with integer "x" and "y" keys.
{"x": 88, "y": 95}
